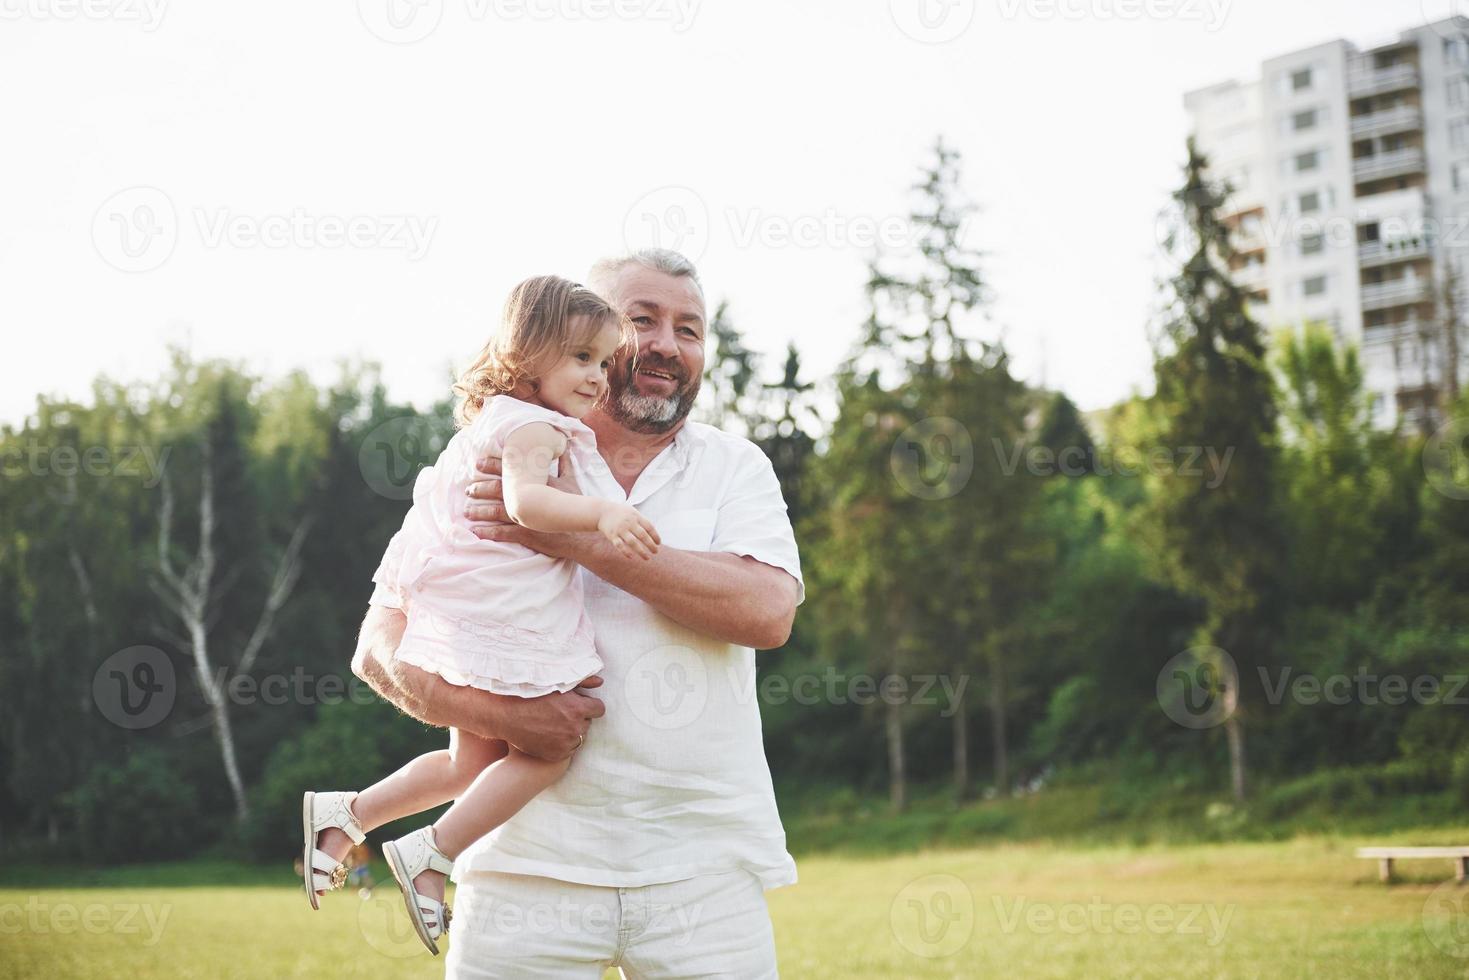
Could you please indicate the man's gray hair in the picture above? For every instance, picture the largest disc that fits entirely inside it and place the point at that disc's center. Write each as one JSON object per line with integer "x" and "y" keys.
{"x": 664, "y": 260}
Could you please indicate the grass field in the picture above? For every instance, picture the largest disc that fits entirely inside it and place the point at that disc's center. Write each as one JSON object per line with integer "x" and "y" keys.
{"x": 1303, "y": 908}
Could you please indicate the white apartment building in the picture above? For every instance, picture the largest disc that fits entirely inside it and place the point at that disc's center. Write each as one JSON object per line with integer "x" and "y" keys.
{"x": 1350, "y": 201}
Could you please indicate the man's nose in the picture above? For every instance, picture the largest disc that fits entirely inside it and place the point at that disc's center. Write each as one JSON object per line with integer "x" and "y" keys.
{"x": 659, "y": 340}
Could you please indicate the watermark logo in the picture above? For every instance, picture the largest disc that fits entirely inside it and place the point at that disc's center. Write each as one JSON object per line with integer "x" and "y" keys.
{"x": 400, "y": 21}
{"x": 1445, "y": 919}
{"x": 1446, "y": 459}
{"x": 667, "y": 687}
{"x": 135, "y": 688}
{"x": 672, "y": 217}
{"x": 393, "y": 453}
{"x": 136, "y": 229}
{"x": 933, "y": 916}
{"x": 932, "y": 21}
{"x": 933, "y": 459}
{"x": 1199, "y": 688}
{"x": 382, "y": 922}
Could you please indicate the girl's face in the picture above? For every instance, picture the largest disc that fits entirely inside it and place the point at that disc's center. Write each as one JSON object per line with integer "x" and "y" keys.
{"x": 579, "y": 380}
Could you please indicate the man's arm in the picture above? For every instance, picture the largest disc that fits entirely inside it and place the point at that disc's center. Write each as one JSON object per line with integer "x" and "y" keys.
{"x": 729, "y": 597}
{"x": 551, "y": 727}
{"x": 732, "y": 598}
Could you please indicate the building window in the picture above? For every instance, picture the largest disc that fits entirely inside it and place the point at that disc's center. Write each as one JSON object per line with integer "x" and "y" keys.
{"x": 1460, "y": 171}
{"x": 1304, "y": 120}
{"x": 1313, "y": 243}
{"x": 1314, "y": 286}
{"x": 1459, "y": 134}
{"x": 1456, "y": 51}
{"x": 1309, "y": 160}
{"x": 1458, "y": 91}
{"x": 1300, "y": 80}
{"x": 1310, "y": 202}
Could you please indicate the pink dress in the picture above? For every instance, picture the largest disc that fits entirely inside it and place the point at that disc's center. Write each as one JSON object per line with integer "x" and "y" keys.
{"x": 487, "y": 614}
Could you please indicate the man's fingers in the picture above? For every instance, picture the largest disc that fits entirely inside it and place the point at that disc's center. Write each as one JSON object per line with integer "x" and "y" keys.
{"x": 486, "y": 490}
{"x": 489, "y": 465}
{"x": 591, "y": 707}
{"x": 489, "y": 511}
{"x": 594, "y": 681}
{"x": 495, "y": 532}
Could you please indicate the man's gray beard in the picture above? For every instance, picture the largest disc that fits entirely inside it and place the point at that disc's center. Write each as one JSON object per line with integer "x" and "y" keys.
{"x": 651, "y": 413}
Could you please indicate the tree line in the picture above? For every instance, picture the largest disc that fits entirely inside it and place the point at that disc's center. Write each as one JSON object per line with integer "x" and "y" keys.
{"x": 996, "y": 604}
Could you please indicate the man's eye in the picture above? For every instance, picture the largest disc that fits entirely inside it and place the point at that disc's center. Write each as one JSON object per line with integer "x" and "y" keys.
{"x": 643, "y": 321}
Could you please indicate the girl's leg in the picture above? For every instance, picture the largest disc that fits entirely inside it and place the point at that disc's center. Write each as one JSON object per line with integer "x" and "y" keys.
{"x": 496, "y": 795}
{"x": 429, "y": 780}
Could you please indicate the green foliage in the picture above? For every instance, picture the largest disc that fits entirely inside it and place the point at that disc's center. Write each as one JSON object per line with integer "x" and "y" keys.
{"x": 139, "y": 811}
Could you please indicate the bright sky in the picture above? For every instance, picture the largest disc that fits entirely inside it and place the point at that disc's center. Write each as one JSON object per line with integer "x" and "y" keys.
{"x": 291, "y": 184}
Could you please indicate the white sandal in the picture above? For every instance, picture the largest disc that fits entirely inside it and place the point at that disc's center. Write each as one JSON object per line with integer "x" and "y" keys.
{"x": 321, "y": 871}
{"x": 408, "y": 857}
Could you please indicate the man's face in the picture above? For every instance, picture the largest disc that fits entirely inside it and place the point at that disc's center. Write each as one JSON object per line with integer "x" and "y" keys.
{"x": 654, "y": 390}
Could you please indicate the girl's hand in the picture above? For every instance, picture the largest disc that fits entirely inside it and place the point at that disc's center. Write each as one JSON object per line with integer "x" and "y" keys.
{"x": 632, "y": 534}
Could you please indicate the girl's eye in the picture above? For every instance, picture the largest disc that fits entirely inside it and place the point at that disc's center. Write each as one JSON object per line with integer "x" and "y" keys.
{"x": 583, "y": 357}
{"x": 606, "y": 365}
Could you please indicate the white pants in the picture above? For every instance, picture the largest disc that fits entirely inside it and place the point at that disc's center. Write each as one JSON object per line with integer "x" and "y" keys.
{"x": 508, "y": 925}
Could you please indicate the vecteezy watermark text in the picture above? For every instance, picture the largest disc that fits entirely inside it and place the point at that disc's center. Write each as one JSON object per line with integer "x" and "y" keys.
{"x": 97, "y": 918}
{"x": 148, "y": 14}
{"x": 1190, "y": 461}
{"x": 128, "y": 462}
{"x": 1097, "y": 917}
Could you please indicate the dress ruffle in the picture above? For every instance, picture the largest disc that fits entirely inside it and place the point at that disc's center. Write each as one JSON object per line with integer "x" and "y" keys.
{"x": 498, "y": 657}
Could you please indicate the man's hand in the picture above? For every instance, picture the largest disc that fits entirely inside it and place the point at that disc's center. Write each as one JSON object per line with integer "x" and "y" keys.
{"x": 488, "y": 518}
{"x": 551, "y": 726}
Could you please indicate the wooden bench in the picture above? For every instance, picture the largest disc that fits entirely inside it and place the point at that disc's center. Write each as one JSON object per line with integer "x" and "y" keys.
{"x": 1386, "y": 855}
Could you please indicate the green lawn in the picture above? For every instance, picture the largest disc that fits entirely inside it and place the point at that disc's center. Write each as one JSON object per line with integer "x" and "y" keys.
{"x": 1291, "y": 909}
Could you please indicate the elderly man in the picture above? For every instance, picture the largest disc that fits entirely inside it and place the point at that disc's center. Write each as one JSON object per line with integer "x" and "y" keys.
{"x": 653, "y": 852}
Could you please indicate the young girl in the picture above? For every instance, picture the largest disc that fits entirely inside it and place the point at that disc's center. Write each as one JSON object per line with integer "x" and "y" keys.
{"x": 489, "y": 614}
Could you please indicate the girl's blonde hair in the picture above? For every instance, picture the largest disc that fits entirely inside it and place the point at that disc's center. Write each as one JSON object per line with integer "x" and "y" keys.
{"x": 545, "y": 318}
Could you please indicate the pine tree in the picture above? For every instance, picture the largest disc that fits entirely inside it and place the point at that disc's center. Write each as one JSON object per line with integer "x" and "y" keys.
{"x": 1216, "y": 538}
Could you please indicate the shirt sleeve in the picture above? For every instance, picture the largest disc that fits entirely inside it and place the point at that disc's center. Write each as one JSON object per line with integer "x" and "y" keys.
{"x": 753, "y": 520}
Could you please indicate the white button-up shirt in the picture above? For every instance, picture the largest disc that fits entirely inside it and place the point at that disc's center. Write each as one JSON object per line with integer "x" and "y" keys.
{"x": 672, "y": 782}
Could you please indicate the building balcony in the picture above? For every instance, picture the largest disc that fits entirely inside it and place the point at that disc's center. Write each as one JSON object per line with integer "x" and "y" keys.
{"x": 1388, "y": 335}
{"x": 1399, "y": 119}
{"x": 1364, "y": 83}
{"x": 1392, "y": 164}
{"x": 1399, "y": 292}
{"x": 1370, "y": 254}
{"x": 1250, "y": 277}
